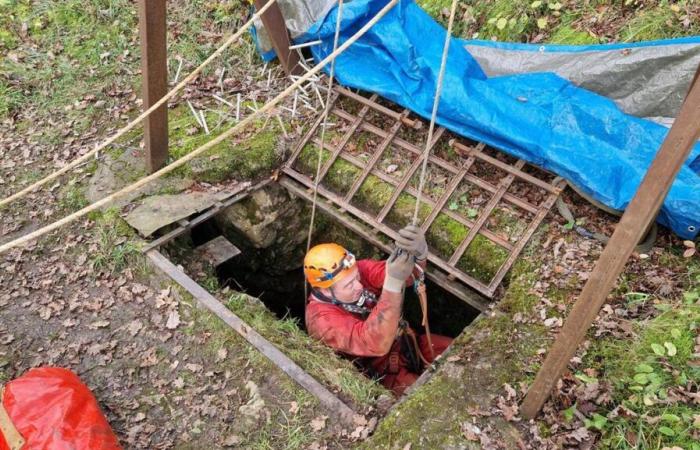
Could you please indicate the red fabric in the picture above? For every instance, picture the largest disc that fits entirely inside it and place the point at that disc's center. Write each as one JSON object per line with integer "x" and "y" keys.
{"x": 53, "y": 410}
{"x": 374, "y": 336}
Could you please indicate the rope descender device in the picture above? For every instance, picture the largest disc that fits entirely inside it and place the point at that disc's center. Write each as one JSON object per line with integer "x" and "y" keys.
{"x": 419, "y": 287}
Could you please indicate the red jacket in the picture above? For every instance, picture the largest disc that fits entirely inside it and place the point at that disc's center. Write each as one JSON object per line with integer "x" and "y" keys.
{"x": 351, "y": 334}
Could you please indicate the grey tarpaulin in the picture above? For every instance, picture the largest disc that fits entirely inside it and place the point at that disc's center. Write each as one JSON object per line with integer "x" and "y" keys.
{"x": 646, "y": 79}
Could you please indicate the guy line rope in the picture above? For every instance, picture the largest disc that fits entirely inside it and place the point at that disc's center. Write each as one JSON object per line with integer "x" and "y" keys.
{"x": 144, "y": 114}
{"x": 177, "y": 163}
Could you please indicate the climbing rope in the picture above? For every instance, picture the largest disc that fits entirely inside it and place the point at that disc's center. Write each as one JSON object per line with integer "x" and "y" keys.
{"x": 144, "y": 114}
{"x": 433, "y": 116}
{"x": 324, "y": 123}
{"x": 198, "y": 151}
{"x": 420, "y": 287}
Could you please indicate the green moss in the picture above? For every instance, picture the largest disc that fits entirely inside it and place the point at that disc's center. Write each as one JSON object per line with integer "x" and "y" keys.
{"x": 482, "y": 259}
{"x": 247, "y": 155}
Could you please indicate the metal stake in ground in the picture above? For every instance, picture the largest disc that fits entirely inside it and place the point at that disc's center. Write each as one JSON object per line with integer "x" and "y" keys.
{"x": 634, "y": 223}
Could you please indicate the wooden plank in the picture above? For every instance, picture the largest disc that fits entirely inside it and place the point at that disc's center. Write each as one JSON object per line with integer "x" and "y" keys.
{"x": 276, "y": 29}
{"x": 154, "y": 75}
{"x": 334, "y": 405}
{"x": 630, "y": 230}
{"x": 217, "y": 251}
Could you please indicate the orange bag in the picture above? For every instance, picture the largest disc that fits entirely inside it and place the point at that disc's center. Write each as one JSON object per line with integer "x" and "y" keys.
{"x": 50, "y": 408}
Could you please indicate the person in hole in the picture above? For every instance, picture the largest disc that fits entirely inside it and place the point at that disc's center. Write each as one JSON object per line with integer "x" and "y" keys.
{"x": 355, "y": 307}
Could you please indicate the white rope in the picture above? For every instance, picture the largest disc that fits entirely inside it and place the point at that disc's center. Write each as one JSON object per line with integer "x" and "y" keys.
{"x": 324, "y": 123}
{"x": 143, "y": 115}
{"x": 198, "y": 151}
{"x": 438, "y": 91}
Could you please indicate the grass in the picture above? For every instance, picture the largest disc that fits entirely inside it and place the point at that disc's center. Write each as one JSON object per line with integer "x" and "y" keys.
{"x": 116, "y": 247}
{"x": 313, "y": 356}
{"x": 644, "y": 373}
{"x": 571, "y": 22}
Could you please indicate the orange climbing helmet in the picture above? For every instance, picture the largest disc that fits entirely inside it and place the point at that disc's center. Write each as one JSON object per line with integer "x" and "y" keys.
{"x": 325, "y": 264}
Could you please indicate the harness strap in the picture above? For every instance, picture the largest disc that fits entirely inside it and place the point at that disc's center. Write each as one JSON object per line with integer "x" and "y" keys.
{"x": 12, "y": 437}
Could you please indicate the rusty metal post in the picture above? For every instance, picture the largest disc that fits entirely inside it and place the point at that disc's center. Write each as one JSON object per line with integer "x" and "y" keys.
{"x": 276, "y": 29}
{"x": 154, "y": 73}
{"x": 639, "y": 214}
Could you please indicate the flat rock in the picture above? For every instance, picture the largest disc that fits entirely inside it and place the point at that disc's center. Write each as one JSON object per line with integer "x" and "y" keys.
{"x": 158, "y": 211}
{"x": 114, "y": 173}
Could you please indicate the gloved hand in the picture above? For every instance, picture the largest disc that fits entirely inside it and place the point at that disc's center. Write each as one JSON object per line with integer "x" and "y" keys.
{"x": 412, "y": 239}
{"x": 399, "y": 267}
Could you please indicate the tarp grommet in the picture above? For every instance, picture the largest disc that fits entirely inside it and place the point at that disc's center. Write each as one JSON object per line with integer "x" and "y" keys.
{"x": 692, "y": 228}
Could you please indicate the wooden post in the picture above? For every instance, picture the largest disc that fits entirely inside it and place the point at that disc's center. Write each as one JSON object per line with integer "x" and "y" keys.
{"x": 639, "y": 214}
{"x": 276, "y": 29}
{"x": 154, "y": 73}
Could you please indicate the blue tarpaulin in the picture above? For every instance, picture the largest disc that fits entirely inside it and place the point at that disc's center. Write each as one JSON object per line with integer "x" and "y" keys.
{"x": 539, "y": 117}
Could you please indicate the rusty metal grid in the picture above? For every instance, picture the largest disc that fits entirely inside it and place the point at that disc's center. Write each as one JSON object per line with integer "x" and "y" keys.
{"x": 469, "y": 164}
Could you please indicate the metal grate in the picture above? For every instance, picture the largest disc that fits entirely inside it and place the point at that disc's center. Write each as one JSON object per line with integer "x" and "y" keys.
{"x": 480, "y": 208}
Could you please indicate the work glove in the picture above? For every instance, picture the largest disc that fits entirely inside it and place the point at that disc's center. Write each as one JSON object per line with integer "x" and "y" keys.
{"x": 412, "y": 239}
{"x": 399, "y": 267}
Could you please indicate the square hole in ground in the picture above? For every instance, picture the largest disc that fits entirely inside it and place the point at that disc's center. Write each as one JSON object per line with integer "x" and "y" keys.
{"x": 278, "y": 283}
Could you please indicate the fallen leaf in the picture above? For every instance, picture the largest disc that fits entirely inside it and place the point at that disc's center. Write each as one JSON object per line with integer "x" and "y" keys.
{"x": 173, "y": 320}
{"x": 319, "y": 423}
{"x": 293, "y": 408}
{"x": 99, "y": 324}
{"x": 232, "y": 441}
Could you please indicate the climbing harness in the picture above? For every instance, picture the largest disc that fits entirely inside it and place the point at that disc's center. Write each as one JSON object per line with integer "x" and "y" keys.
{"x": 363, "y": 306}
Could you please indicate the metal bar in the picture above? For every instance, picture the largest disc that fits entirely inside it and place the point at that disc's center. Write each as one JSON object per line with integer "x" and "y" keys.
{"x": 469, "y": 151}
{"x": 483, "y": 184}
{"x": 430, "y": 202}
{"x": 522, "y": 241}
{"x": 332, "y": 403}
{"x": 186, "y": 225}
{"x": 451, "y": 188}
{"x": 471, "y": 281}
{"x": 309, "y": 134}
{"x": 634, "y": 222}
{"x": 154, "y": 73}
{"x": 485, "y": 213}
{"x": 348, "y": 134}
{"x": 374, "y": 159}
{"x": 371, "y": 102}
{"x": 466, "y": 295}
{"x": 276, "y": 29}
{"x": 407, "y": 177}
